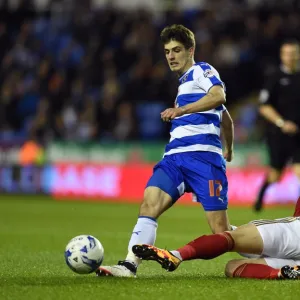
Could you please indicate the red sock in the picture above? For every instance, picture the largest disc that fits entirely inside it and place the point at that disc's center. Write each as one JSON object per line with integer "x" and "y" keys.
{"x": 297, "y": 209}
{"x": 257, "y": 271}
{"x": 207, "y": 246}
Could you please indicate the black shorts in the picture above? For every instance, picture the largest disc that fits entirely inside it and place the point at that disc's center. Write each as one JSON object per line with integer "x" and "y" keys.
{"x": 283, "y": 149}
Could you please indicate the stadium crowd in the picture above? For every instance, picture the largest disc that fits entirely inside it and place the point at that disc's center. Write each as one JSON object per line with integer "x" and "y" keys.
{"x": 101, "y": 75}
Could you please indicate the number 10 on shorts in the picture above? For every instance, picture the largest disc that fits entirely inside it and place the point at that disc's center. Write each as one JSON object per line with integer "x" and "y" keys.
{"x": 215, "y": 188}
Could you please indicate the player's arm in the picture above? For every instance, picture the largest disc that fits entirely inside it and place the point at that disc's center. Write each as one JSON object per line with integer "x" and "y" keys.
{"x": 214, "y": 98}
{"x": 266, "y": 99}
{"x": 268, "y": 111}
{"x": 228, "y": 135}
{"x": 271, "y": 114}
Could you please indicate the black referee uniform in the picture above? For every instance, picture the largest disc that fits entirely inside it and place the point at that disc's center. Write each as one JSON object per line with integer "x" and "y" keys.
{"x": 281, "y": 91}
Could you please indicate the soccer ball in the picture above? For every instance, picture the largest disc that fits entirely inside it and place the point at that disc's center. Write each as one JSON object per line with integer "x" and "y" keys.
{"x": 84, "y": 254}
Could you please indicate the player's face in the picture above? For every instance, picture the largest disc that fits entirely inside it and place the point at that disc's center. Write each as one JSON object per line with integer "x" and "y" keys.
{"x": 289, "y": 55}
{"x": 179, "y": 58}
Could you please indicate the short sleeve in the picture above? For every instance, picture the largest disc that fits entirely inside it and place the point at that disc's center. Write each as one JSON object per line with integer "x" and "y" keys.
{"x": 223, "y": 107}
{"x": 268, "y": 92}
{"x": 207, "y": 76}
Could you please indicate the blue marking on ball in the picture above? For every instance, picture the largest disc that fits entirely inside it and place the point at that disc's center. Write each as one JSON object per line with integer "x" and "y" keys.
{"x": 92, "y": 241}
{"x": 68, "y": 253}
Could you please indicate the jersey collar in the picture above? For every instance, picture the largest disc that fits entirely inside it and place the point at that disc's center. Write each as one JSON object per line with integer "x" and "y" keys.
{"x": 185, "y": 73}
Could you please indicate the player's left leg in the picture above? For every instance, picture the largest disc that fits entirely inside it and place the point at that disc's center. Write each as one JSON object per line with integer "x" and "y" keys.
{"x": 246, "y": 238}
{"x": 163, "y": 189}
{"x": 263, "y": 268}
{"x": 203, "y": 247}
{"x": 155, "y": 202}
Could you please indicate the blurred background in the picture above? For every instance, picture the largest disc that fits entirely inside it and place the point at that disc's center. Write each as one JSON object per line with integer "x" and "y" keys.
{"x": 82, "y": 85}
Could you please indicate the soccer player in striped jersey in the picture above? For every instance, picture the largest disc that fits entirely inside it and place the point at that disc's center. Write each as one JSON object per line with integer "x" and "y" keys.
{"x": 193, "y": 160}
{"x": 274, "y": 243}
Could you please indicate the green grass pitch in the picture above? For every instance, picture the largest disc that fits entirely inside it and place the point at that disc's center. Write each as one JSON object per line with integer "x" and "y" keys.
{"x": 34, "y": 231}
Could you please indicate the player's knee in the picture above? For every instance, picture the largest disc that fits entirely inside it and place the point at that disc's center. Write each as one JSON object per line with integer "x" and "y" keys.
{"x": 229, "y": 269}
{"x": 231, "y": 266}
{"x": 147, "y": 209}
{"x": 155, "y": 203}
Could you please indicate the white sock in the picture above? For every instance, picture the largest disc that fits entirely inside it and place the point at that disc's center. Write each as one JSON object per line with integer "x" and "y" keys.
{"x": 144, "y": 232}
{"x": 176, "y": 253}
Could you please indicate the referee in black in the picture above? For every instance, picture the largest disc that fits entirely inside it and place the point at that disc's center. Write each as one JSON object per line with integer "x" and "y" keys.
{"x": 280, "y": 106}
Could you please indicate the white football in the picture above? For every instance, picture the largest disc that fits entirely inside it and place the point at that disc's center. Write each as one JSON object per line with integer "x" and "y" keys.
{"x": 84, "y": 254}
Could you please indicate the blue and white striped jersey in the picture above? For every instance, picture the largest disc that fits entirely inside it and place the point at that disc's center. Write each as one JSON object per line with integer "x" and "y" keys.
{"x": 197, "y": 131}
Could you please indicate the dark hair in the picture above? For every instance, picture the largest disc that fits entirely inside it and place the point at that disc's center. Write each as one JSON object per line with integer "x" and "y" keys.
{"x": 180, "y": 34}
{"x": 293, "y": 42}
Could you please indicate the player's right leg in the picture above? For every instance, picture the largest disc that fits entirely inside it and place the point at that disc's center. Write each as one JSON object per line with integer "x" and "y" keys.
{"x": 163, "y": 189}
{"x": 155, "y": 202}
{"x": 269, "y": 238}
{"x": 245, "y": 239}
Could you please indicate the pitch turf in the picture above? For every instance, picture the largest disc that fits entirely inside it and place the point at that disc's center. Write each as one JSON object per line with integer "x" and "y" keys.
{"x": 35, "y": 230}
